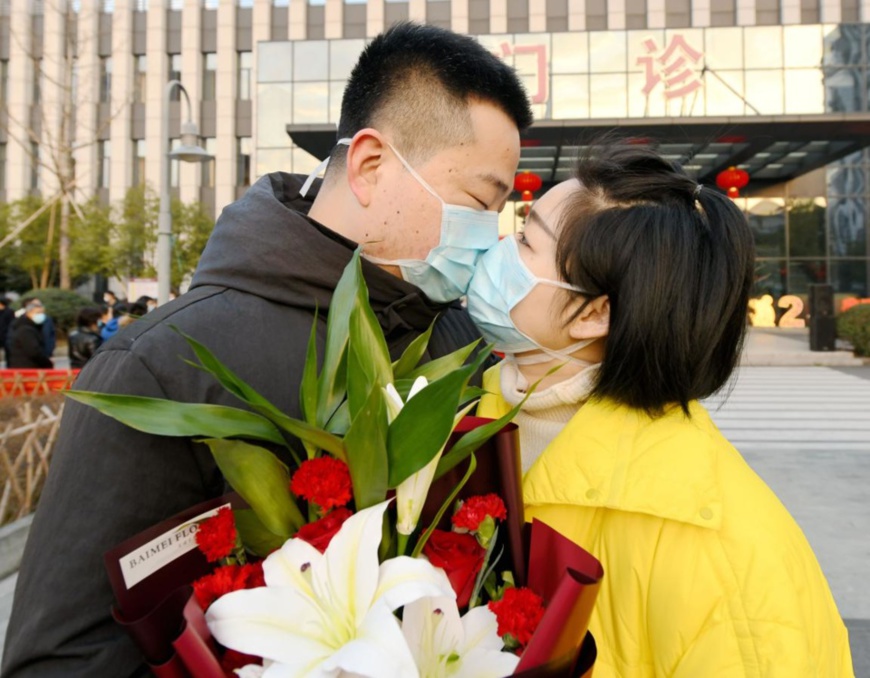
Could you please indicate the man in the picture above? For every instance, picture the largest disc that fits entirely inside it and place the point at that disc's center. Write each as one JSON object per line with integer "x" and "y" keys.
{"x": 7, "y": 315}
{"x": 26, "y": 339}
{"x": 425, "y": 110}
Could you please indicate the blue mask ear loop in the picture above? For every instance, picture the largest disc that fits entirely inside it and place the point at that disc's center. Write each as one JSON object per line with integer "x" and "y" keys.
{"x": 321, "y": 167}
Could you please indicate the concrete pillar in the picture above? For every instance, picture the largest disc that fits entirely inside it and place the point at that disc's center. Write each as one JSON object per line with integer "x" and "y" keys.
{"x": 701, "y": 13}
{"x": 20, "y": 99}
{"x": 459, "y": 15}
{"x": 537, "y": 16}
{"x": 298, "y": 19}
{"x": 577, "y": 15}
{"x": 746, "y": 13}
{"x": 497, "y": 16}
{"x": 375, "y": 17}
{"x": 123, "y": 65}
{"x": 192, "y": 68}
{"x": 155, "y": 91}
{"x": 655, "y": 13}
{"x": 616, "y": 15}
{"x": 261, "y": 31}
{"x": 225, "y": 162}
{"x": 417, "y": 10}
{"x": 831, "y": 11}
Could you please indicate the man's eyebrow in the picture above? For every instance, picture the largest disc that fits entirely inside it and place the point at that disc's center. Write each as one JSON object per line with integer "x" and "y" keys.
{"x": 534, "y": 216}
{"x": 494, "y": 181}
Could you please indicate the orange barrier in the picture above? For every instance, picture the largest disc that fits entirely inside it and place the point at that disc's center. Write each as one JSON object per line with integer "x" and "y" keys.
{"x": 846, "y": 304}
{"x": 23, "y": 382}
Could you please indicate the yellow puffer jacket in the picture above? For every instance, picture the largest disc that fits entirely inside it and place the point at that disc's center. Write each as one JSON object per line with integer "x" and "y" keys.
{"x": 706, "y": 573}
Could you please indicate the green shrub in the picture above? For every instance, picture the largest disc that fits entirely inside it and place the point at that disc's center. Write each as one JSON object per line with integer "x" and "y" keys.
{"x": 854, "y": 326}
{"x": 62, "y": 305}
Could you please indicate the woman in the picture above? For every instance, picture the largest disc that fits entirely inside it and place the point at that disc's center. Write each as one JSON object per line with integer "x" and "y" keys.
{"x": 636, "y": 280}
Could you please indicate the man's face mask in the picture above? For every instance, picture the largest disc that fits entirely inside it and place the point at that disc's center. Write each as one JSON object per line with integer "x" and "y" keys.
{"x": 466, "y": 233}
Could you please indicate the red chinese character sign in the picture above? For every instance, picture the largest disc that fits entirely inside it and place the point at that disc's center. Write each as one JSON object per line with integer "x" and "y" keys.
{"x": 530, "y": 61}
{"x": 674, "y": 68}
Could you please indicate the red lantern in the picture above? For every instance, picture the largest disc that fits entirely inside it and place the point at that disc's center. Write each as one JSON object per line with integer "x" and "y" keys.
{"x": 732, "y": 180}
{"x": 527, "y": 183}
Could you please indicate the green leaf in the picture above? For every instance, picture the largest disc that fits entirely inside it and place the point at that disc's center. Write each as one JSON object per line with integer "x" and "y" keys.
{"x": 423, "y": 426}
{"x": 413, "y": 354}
{"x": 441, "y": 367}
{"x": 169, "y": 418}
{"x": 308, "y": 386}
{"x": 262, "y": 481}
{"x": 418, "y": 549}
{"x": 340, "y": 422}
{"x": 331, "y": 386}
{"x": 367, "y": 451}
{"x": 255, "y": 537}
{"x": 239, "y": 388}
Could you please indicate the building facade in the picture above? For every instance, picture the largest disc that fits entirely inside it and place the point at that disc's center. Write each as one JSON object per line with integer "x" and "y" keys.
{"x": 776, "y": 87}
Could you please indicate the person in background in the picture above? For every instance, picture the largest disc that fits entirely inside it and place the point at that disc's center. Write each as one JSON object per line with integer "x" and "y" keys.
{"x": 110, "y": 298}
{"x": 49, "y": 334}
{"x": 7, "y": 315}
{"x": 26, "y": 340}
{"x": 122, "y": 315}
{"x": 635, "y": 280}
{"x": 150, "y": 303}
{"x": 86, "y": 339}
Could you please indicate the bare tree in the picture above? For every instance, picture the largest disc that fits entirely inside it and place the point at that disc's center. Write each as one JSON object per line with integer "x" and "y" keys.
{"x": 62, "y": 129}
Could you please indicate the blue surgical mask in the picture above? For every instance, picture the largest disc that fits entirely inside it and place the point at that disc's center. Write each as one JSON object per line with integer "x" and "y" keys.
{"x": 38, "y": 318}
{"x": 466, "y": 234}
{"x": 500, "y": 282}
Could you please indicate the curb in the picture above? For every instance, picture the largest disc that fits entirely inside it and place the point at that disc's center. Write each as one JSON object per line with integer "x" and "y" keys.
{"x": 12, "y": 539}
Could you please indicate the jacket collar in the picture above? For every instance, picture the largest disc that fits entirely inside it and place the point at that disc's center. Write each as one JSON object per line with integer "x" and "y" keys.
{"x": 619, "y": 458}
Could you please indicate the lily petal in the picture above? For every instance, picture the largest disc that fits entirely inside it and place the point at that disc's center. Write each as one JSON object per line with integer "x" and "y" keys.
{"x": 480, "y": 630}
{"x": 378, "y": 650}
{"x": 394, "y": 402}
{"x": 419, "y": 384}
{"x": 403, "y": 580}
{"x": 290, "y": 565}
{"x": 486, "y": 664}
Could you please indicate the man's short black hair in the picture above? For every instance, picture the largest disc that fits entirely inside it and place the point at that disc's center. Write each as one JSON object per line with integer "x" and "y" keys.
{"x": 89, "y": 316}
{"x": 676, "y": 262}
{"x": 417, "y": 81}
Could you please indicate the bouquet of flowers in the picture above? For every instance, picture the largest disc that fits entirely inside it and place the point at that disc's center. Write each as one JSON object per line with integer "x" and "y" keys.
{"x": 381, "y": 553}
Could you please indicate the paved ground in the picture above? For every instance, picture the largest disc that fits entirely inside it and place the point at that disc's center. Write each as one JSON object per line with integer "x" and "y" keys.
{"x": 805, "y": 429}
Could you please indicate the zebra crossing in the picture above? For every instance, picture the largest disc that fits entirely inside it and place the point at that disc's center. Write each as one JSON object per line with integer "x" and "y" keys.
{"x": 795, "y": 408}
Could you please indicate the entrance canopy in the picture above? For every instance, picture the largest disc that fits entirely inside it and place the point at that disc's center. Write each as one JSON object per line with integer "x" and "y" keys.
{"x": 772, "y": 149}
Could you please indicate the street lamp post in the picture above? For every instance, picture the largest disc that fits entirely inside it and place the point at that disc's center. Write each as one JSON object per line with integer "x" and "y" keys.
{"x": 189, "y": 151}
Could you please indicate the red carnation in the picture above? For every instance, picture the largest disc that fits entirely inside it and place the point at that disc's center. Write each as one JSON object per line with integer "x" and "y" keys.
{"x": 324, "y": 481}
{"x": 216, "y": 536}
{"x": 226, "y": 579}
{"x": 518, "y": 613}
{"x": 320, "y": 532}
{"x": 460, "y": 556}
{"x": 475, "y": 509}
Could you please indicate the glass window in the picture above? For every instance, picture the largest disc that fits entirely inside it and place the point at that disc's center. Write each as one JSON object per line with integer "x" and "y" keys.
{"x": 246, "y": 4}
{"x": 343, "y": 55}
{"x": 764, "y": 91}
{"x": 140, "y": 78}
{"x": 806, "y": 228}
{"x": 310, "y": 60}
{"x": 141, "y": 5}
{"x": 802, "y": 274}
{"x": 105, "y": 80}
{"x": 104, "y": 163}
{"x": 209, "y": 75}
{"x": 639, "y": 46}
{"x": 4, "y": 81}
{"x": 246, "y": 64}
{"x": 767, "y": 221}
{"x": 845, "y": 179}
{"x": 280, "y": 3}
{"x": 723, "y": 93}
{"x": 37, "y": 81}
{"x": 273, "y": 160}
{"x": 843, "y": 45}
{"x": 570, "y": 53}
{"x": 34, "y": 166}
{"x": 762, "y": 46}
{"x": 803, "y": 46}
{"x": 847, "y": 231}
{"x": 138, "y": 162}
{"x": 303, "y": 161}
{"x": 274, "y": 62}
{"x": 850, "y": 277}
{"x": 107, "y": 6}
{"x": 274, "y": 111}
{"x": 175, "y": 74}
{"x": 243, "y": 161}
{"x": 723, "y": 48}
{"x": 570, "y": 96}
{"x": 770, "y": 278}
{"x": 610, "y": 99}
{"x": 804, "y": 91}
{"x": 208, "y": 166}
{"x": 843, "y": 90}
{"x": 310, "y": 102}
{"x": 607, "y": 53}
{"x": 336, "y": 92}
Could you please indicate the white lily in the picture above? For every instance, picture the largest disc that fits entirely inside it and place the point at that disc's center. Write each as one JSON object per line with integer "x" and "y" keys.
{"x": 330, "y": 614}
{"x": 445, "y": 646}
{"x": 411, "y": 493}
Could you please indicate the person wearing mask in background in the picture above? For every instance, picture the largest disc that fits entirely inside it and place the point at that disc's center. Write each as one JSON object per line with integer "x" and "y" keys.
{"x": 634, "y": 281}
{"x": 49, "y": 335}
{"x": 86, "y": 339}
{"x": 26, "y": 341}
{"x": 150, "y": 303}
{"x": 428, "y": 149}
{"x": 109, "y": 298}
{"x": 7, "y": 315}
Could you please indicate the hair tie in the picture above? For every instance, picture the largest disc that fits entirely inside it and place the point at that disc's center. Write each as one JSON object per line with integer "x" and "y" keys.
{"x": 697, "y": 192}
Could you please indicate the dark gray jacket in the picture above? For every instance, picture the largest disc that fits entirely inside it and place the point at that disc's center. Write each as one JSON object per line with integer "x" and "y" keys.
{"x": 264, "y": 271}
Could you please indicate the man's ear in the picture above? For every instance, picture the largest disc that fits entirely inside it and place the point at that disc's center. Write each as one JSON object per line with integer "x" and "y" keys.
{"x": 364, "y": 158}
{"x": 593, "y": 322}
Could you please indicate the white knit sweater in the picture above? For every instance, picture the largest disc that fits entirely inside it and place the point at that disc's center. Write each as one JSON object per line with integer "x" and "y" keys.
{"x": 546, "y": 412}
